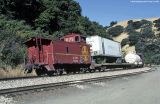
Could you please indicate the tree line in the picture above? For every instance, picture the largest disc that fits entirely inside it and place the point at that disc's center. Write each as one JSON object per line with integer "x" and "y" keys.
{"x": 22, "y": 19}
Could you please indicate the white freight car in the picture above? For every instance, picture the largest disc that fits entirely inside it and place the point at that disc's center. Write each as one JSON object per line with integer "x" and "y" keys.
{"x": 104, "y": 47}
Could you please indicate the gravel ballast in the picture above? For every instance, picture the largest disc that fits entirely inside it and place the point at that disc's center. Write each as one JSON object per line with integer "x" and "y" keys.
{"x": 56, "y": 79}
{"x": 6, "y": 100}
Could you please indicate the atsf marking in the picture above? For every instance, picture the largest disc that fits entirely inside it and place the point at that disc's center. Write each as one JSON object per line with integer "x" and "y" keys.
{"x": 85, "y": 53}
{"x": 75, "y": 59}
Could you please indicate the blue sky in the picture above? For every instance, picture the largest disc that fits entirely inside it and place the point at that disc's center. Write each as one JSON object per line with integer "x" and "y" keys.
{"x": 105, "y": 11}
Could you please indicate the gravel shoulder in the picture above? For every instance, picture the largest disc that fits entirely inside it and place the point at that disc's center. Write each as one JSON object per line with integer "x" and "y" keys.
{"x": 56, "y": 79}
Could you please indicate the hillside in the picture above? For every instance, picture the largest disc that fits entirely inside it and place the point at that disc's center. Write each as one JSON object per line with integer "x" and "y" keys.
{"x": 124, "y": 35}
{"x": 138, "y": 35}
{"x": 22, "y": 19}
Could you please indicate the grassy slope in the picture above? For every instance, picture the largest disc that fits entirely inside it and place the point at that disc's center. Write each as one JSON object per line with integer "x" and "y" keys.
{"x": 124, "y": 35}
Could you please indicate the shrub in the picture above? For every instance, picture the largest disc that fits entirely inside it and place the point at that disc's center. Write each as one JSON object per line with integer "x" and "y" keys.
{"x": 155, "y": 59}
{"x": 124, "y": 42}
{"x": 129, "y": 28}
{"x": 147, "y": 32}
{"x": 134, "y": 37}
{"x": 12, "y": 50}
{"x": 139, "y": 46}
{"x": 113, "y": 23}
{"x": 157, "y": 23}
{"x": 152, "y": 48}
{"x": 130, "y": 22}
{"x": 137, "y": 24}
{"x": 146, "y": 23}
{"x": 115, "y": 31}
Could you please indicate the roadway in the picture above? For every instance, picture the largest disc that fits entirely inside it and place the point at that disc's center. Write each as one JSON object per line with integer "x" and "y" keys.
{"x": 139, "y": 89}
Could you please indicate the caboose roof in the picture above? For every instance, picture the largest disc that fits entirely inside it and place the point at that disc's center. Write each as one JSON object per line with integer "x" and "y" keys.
{"x": 32, "y": 41}
{"x": 73, "y": 34}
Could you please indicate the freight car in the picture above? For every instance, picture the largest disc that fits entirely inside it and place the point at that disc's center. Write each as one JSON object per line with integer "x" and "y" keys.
{"x": 71, "y": 53}
{"x": 107, "y": 50}
{"x": 135, "y": 59}
{"x": 107, "y": 53}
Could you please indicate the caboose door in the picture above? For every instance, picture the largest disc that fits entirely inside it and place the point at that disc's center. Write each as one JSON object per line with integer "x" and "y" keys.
{"x": 40, "y": 50}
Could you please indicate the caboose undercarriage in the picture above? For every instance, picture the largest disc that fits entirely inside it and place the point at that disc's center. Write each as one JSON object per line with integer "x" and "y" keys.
{"x": 58, "y": 69}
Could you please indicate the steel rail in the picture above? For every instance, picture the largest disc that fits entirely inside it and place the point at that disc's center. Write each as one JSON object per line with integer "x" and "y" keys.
{"x": 31, "y": 77}
{"x": 51, "y": 85}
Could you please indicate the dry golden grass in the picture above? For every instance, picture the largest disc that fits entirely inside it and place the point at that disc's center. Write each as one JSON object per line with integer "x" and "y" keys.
{"x": 122, "y": 23}
{"x": 12, "y": 73}
{"x": 120, "y": 37}
{"x": 125, "y": 23}
{"x": 128, "y": 49}
{"x": 124, "y": 35}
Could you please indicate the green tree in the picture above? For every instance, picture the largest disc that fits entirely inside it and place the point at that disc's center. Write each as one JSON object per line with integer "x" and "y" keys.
{"x": 146, "y": 23}
{"x": 12, "y": 50}
{"x": 113, "y": 23}
{"x": 157, "y": 23}
{"x": 140, "y": 46}
{"x": 59, "y": 16}
{"x": 27, "y": 10}
{"x": 129, "y": 28}
{"x": 155, "y": 59}
{"x": 22, "y": 19}
{"x": 13, "y": 34}
{"x": 20, "y": 28}
{"x": 150, "y": 51}
{"x": 147, "y": 32}
{"x": 130, "y": 22}
{"x": 115, "y": 31}
{"x": 52, "y": 16}
{"x": 138, "y": 24}
{"x": 134, "y": 37}
{"x": 124, "y": 42}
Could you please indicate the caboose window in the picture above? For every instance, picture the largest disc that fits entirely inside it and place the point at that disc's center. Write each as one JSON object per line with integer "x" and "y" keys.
{"x": 40, "y": 48}
{"x": 67, "y": 49}
{"x": 77, "y": 39}
{"x": 83, "y": 39}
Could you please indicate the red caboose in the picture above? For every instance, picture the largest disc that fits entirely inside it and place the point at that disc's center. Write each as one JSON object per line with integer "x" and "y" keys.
{"x": 70, "y": 53}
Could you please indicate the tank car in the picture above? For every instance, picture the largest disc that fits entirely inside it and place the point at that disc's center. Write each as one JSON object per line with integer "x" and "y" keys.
{"x": 70, "y": 54}
{"x": 134, "y": 59}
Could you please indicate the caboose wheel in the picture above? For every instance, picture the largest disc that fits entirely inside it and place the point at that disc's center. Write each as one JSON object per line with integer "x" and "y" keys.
{"x": 50, "y": 73}
{"x": 59, "y": 72}
{"x": 91, "y": 70}
{"x": 38, "y": 72}
{"x": 103, "y": 70}
{"x": 85, "y": 71}
{"x": 67, "y": 72}
{"x": 99, "y": 70}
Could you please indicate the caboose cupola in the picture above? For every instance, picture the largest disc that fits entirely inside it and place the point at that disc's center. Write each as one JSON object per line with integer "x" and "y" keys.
{"x": 72, "y": 37}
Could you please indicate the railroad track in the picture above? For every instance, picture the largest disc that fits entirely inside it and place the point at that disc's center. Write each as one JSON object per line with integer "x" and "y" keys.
{"x": 51, "y": 85}
{"x": 31, "y": 77}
